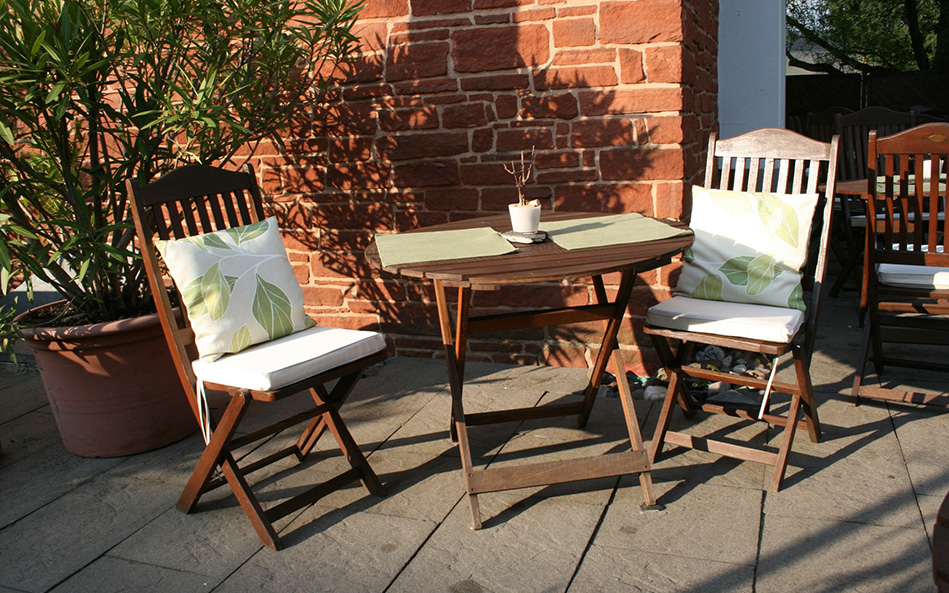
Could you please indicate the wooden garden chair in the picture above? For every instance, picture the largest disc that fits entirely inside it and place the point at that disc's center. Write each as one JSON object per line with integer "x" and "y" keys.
{"x": 906, "y": 266}
{"x": 725, "y": 308}
{"x": 854, "y": 130}
{"x": 199, "y": 211}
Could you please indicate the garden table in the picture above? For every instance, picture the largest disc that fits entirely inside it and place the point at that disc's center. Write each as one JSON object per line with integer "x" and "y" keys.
{"x": 541, "y": 262}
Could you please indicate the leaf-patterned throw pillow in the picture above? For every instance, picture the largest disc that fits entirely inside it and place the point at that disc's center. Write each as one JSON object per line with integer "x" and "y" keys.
{"x": 749, "y": 247}
{"x": 238, "y": 287}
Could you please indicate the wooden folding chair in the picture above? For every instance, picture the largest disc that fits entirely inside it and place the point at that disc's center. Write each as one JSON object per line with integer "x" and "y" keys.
{"x": 769, "y": 160}
{"x": 905, "y": 285}
{"x": 854, "y": 130}
{"x": 197, "y": 199}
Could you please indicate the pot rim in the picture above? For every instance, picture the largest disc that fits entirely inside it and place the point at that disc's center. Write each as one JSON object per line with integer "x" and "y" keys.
{"x": 66, "y": 332}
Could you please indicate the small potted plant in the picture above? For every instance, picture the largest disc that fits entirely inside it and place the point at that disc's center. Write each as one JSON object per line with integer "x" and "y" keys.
{"x": 525, "y": 214}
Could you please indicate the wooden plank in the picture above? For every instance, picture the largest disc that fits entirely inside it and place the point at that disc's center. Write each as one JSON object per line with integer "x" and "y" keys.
{"x": 517, "y": 414}
{"x": 525, "y": 319}
{"x": 557, "y": 472}
{"x": 727, "y": 449}
{"x": 899, "y": 395}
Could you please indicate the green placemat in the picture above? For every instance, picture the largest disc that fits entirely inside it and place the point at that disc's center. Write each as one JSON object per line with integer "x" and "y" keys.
{"x": 410, "y": 248}
{"x": 613, "y": 229}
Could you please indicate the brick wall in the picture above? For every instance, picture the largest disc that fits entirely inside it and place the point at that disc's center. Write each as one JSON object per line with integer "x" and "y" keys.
{"x": 617, "y": 98}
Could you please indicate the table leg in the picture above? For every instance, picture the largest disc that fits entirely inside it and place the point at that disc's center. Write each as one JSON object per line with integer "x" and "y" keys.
{"x": 456, "y": 382}
{"x": 632, "y": 426}
{"x": 608, "y": 342}
{"x": 461, "y": 346}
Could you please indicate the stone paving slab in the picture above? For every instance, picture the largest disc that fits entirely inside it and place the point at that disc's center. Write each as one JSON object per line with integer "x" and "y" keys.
{"x": 692, "y": 524}
{"x": 606, "y": 569}
{"x": 114, "y": 575}
{"x": 800, "y": 554}
{"x": 338, "y": 551}
{"x": 535, "y": 548}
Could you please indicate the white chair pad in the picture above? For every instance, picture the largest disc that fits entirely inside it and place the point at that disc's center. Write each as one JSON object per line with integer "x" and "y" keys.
{"x": 282, "y": 362}
{"x": 740, "y": 320}
{"x": 909, "y": 276}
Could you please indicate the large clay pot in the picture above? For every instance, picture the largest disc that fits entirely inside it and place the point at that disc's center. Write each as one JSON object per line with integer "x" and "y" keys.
{"x": 112, "y": 386}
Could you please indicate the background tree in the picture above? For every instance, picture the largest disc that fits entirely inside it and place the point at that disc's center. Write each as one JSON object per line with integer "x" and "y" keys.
{"x": 866, "y": 35}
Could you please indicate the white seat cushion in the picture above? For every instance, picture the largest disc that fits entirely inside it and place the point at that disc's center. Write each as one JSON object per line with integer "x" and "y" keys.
{"x": 286, "y": 360}
{"x": 910, "y": 276}
{"x": 741, "y": 320}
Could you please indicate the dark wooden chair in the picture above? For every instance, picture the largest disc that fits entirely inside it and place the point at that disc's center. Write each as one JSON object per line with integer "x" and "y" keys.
{"x": 770, "y": 160}
{"x": 854, "y": 129}
{"x": 196, "y": 199}
{"x": 823, "y": 124}
{"x": 905, "y": 281}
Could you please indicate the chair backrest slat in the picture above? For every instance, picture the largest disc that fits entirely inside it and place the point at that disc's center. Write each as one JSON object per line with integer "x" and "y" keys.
{"x": 187, "y": 201}
{"x": 854, "y": 129}
{"x": 909, "y": 211}
{"x": 782, "y": 161}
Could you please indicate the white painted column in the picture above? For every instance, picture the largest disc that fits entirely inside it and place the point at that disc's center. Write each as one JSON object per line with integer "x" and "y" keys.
{"x": 751, "y": 65}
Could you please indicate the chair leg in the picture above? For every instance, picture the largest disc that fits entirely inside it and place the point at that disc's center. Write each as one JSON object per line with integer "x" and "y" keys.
{"x": 787, "y": 440}
{"x": 250, "y": 504}
{"x": 214, "y": 452}
{"x": 352, "y": 453}
{"x": 347, "y": 444}
{"x": 632, "y": 428}
{"x": 808, "y": 401}
{"x": 860, "y": 371}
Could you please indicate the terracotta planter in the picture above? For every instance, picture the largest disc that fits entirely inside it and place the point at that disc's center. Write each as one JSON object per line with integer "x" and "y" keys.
{"x": 112, "y": 386}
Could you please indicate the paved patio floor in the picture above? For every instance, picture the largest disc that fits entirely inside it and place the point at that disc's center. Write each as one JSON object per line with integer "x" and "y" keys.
{"x": 855, "y": 514}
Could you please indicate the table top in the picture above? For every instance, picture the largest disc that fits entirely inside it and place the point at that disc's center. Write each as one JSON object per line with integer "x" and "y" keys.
{"x": 860, "y": 187}
{"x": 538, "y": 262}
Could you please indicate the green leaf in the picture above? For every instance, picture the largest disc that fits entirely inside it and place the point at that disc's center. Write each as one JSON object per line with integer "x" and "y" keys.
{"x": 216, "y": 292}
{"x": 767, "y": 204}
{"x": 761, "y": 271}
{"x": 194, "y": 299}
{"x": 241, "y": 339}
{"x": 788, "y": 227}
{"x": 249, "y": 232}
{"x": 736, "y": 269}
{"x": 796, "y": 298}
{"x": 214, "y": 240}
{"x": 709, "y": 288}
{"x": 272, "y": 309}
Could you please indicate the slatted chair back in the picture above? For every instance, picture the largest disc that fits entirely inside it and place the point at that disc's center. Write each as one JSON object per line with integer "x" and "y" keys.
{"x": 907, "y": 198}
{"x": 854, "y": 130}
{"x": 188, "y": 201}
{"x": 823, "y": 124}
{"x": 781, "y": 161}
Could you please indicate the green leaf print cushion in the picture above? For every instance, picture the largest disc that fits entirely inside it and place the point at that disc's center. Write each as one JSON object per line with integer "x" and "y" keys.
{"x": 238, "y": 287}
{"x": 749, "y": 247}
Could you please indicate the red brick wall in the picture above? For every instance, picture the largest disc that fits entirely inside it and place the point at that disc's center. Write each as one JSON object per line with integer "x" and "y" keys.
{"x": 617, "y": 97}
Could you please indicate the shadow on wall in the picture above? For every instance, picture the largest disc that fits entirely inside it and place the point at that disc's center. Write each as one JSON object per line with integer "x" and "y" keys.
{"x": 418, "y": 134}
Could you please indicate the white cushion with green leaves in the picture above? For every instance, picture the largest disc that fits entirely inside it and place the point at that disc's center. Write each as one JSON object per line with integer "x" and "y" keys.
{"x": 238, "y": 287}
{"x": 749, "y": 247}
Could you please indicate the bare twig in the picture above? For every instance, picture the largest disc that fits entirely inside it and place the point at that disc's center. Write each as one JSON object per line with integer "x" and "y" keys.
{"x": 522, "y": 175}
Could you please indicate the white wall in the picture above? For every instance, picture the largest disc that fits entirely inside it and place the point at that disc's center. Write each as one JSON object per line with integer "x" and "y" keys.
{"x": 751, "y": 65}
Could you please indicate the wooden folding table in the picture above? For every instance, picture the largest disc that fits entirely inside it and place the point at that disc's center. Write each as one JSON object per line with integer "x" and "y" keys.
{"x": 540, "y": 262}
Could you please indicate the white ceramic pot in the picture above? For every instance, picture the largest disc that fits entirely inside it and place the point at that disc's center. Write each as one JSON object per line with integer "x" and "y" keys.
{"x": 524, "y": 219}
